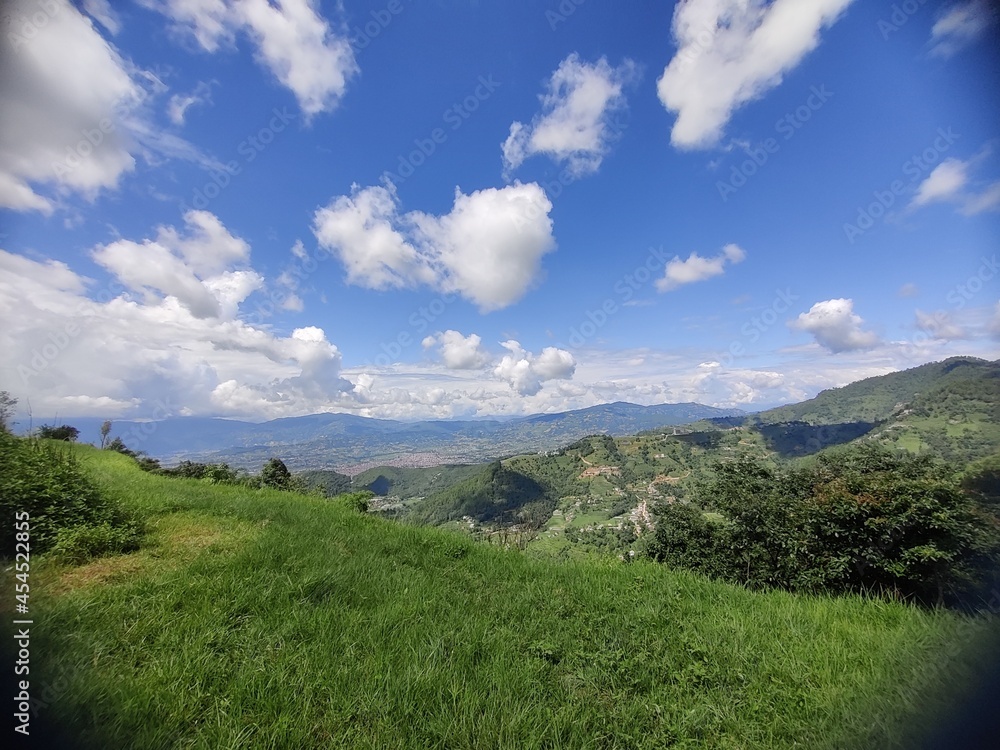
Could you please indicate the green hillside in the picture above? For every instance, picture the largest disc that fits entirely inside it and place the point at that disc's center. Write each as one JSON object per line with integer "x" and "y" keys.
{"x": 258, "y": 618}
{"x": 598, "y": 489}
{"x": 878, "y": 398}
{"x": 958, "y": 420}
{"x": 407, "y": 483}
{"x": 328, "y": 482}
{"x": 496, "y": 494}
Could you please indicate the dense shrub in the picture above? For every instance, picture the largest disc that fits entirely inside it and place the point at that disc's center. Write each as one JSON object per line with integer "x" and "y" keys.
{"x": 62, "y": 502}
{"x": 866, "y": 518}
{"x": 357, "y": 501}
{"x": 277, "y": 476}
{"x": 64, "y": 432}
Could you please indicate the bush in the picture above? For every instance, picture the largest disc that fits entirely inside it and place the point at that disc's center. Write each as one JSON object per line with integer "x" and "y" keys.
{"x": 357, "y": 501}
{"x": 862, "y": 519}
{"x": 276, "y": 475}
{"x": 63, "y": 432}
{"x": 49, "y": 484}
{"x": 78, "y": 544}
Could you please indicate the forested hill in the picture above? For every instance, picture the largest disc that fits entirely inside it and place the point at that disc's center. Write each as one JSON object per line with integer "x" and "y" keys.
{"x": 878, "y": 398}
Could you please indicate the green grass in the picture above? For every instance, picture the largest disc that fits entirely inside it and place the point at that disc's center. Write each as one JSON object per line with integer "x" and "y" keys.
{"x": 265, "y": 619}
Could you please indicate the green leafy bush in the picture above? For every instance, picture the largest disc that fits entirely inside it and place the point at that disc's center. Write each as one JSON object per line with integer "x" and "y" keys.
{"x": 862, "y": 519}
{"x": 78, "y": 544}
{"x": 357, "y": 501}
{"x": 48, "y": 483}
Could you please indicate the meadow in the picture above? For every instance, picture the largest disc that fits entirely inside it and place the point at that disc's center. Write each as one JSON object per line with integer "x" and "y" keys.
{"x": 259, "y": 618}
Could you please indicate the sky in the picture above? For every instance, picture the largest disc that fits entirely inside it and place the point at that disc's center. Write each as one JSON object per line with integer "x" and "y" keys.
{"x": 420, "y": 209}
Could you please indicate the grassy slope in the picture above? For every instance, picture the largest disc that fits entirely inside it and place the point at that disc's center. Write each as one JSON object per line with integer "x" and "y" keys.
{"x": 262, "y": 619}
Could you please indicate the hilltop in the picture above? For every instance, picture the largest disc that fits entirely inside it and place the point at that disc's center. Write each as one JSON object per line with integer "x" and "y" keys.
{"x": 258, "y": 618}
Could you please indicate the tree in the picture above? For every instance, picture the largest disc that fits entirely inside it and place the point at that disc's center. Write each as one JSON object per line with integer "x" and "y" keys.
{"x": 865, "y": 518}
{"x": 105, "y": 431}
{"x": 63, "y": 432}
{"x": 7, "y": 404}
{"x": 275, "y": 474}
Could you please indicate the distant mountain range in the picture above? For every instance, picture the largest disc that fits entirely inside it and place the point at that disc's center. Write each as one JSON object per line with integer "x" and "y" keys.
{"x": 350, "y": 443}
{"x": 949, "y": 410}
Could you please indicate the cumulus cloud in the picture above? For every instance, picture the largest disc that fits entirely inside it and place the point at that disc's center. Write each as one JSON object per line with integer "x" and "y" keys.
{"x": 64, "y": 90}
{"x": 697, "y": 268}
{"x": 292, "y": 40}
{"x": 459, "y": 352}
{"x": 731, "y": 52}
{"x": 835, "y": 326}
{"x": 525, "y": 372}
{"x": 960, "y": 25}
{"x": 76, "y": 114}
{"x": 192, "y": 268}
{"x": 75, "y": 349}
{"x": 575, "y": 125}
{"x": 488, "y": 248}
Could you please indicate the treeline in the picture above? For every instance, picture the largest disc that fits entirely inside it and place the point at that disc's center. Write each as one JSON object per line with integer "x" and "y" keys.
{"x": 860, "y": 519}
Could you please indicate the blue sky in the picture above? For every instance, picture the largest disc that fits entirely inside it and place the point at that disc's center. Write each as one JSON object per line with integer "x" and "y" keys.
{"x": 435, "y": 209}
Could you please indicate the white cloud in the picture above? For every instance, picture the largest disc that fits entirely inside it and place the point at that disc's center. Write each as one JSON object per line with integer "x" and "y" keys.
{"x": 179, "y": 104}
{"x": 525, "y": 372}
{"x": 960, "y": 25}
{"x": 939, "y": 325}
{"x": 63, "y": 91}
{"x": 945, "y": 181}
{"x": 193, "y": 269}
{"x": 292, "y": 40}
{"x": 950, "y": 181}
{"x": 908, "y": 290}
{"x": 488, "y": 248}
{"x": 731, "y": 52}
{"x": 113, "y": 353}
{"x": 835, "y": 326}
{"x": 574, "y": 125}
{"x": 697, "y": 268}
{"x": 100, "y": 10}
{"x": 459, "y": 352}
{"x": 987, "y": 200}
